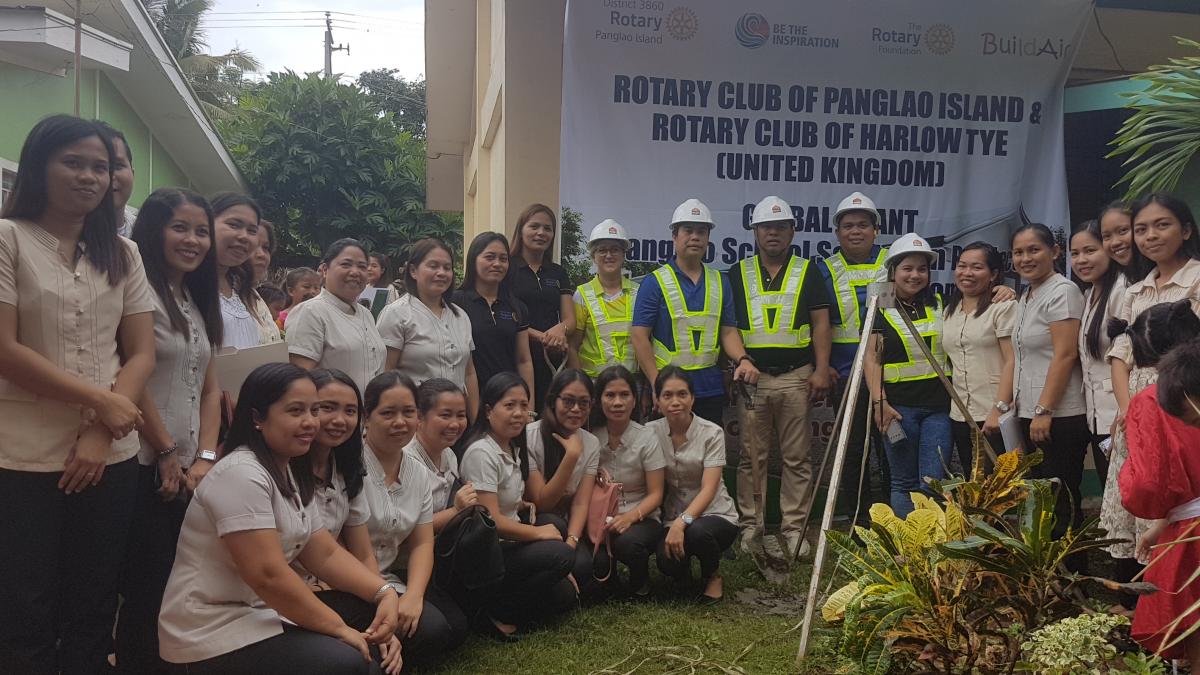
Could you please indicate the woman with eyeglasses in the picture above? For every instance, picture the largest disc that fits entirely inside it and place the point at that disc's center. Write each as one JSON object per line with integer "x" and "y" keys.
{"x": 604, "y": 306}
{"x": 499, "y": 322}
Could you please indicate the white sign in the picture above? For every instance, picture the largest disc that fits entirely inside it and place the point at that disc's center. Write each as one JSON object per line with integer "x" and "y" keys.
{"x": 947, "y": 113}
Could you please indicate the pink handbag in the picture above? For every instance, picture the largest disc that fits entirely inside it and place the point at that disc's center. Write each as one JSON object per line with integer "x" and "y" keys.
{"x": 606, "y": 496}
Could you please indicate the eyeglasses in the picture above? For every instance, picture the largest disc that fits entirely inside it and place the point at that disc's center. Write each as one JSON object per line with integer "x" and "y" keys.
{"x": 610, "y": 252}
{"x": 570, "y": 403}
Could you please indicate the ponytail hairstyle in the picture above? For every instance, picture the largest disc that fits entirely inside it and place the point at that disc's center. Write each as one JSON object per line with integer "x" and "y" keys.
{"x": 347, "y": 457}
{"x": 1101, "y": 290}
{"x": 492, "y": 392}
{"x": 294, "y": 277}
{"x": 242, "y": 276}
{"x": 518, "y": 243}
{"x": 1179, "y": 379}
{"x": 264, "y": 386}
{"x": 553, "y": 450}
{"x": 420, "y": 251}
{"x": 995, "y": 264}
{"x": 383, "y": 383}
{"x": 1044, "y": 235}
{"x": 1157, "y": 331}
{"x": 606, "y": 377}
{"x": 673, "y": 372}
{"x": 432, "y": 389}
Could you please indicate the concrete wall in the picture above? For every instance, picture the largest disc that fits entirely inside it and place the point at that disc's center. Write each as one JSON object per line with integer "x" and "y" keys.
{"x": 27, "y": 96}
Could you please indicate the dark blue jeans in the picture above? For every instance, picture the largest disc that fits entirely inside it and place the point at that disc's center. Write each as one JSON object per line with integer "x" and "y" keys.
{"x": 922, "y": 455}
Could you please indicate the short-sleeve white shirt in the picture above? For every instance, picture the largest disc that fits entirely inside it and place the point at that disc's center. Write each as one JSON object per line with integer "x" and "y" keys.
{"x": 704, "y": 448}
{"x": 638, "y": 453}
{"x": 395, "y": 510}
{"x": 430, "y": 346}
{"x": 207, "y": 609}
{"x": 338, "y": 335}
{"x": 588, "y": 464}
{"x": 1057, "y": 299}
{"x": 177, "y": 383}
{"x": 441, "y": 477}
{"x": 492, "y": 469}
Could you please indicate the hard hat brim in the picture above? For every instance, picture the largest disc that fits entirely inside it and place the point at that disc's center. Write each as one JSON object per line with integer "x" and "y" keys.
{"x": 897, "y": 257}
{"x": 790, "y": 221}
{"x": 837, "y": 216}
{"x": 692, "y": 222}
{"x": 591, "y": 244}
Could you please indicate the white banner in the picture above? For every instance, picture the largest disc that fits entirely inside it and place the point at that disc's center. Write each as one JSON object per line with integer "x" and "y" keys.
{"x": 947, "y": 113}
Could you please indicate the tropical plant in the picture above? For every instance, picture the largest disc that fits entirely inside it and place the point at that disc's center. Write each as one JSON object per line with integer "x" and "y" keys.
{"x": 217, "y": 79}
{"x": 950, "y": 589}
{"x": 405, "y": 99}
{"x": 1084, "y": 644}
{"x": 325, "y": 163}
{"x": 1163, "y": 135}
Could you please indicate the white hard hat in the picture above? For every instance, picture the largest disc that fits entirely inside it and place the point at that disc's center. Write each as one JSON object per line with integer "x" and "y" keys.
{"x": 771, "y": 210}
{"x": 856, "y": 202}
{"x": 908, "y": 244}
{"x": 608, "y": 229}
{"x": 692, "y": 211}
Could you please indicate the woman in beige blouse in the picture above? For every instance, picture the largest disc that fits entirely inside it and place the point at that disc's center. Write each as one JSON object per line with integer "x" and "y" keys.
{"x": 70, "y": 289}
{"x": 247, "y": 318}
{"x": 976, "y": 334}
{"x": 1165, "y": 268}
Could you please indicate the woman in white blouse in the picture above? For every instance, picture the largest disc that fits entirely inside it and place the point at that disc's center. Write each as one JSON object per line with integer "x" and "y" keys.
{"x": 426, "y": 335}
{"x": 976, "y": 335}
{"x": 401, "y": 495}
{"x": 633, "y": 457}
{"x": 563, "y": 460}
{"x": 1047, "y": 379}
{"x": 441, "y": 421}
{"x": 702, "y": 516}
{"x": 233, "y": 604}
{"x": 332, "y": 330}
{"x": 537, "y": 563}
{"x": 181, "y": 406}
{"x": 246, "y": 317}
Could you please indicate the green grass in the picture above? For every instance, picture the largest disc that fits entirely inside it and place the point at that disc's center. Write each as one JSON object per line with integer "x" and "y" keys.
{"x": 668, "y": 636}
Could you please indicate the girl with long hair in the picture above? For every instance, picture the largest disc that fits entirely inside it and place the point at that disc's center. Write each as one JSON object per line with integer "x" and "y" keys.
{"x": 499, "y": 322}
{"x": 76, "y": 350}
{"x": 633, "y": 457}
{"x": 402, "y": 498}
{"x": 332, "y": 330}
{"x": 236, "y": 220}
{"x": 537, "y": 563}
{"x": 233, "y": 601}
{"x": 181, "y": 406}
{"x": 441, "y": 421}
{"x": 426, "y": 334}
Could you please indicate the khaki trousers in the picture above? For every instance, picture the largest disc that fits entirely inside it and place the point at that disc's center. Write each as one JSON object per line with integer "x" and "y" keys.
{"x": 779, "y": 421}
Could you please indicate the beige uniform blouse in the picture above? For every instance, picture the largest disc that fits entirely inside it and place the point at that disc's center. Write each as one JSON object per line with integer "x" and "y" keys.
{"x": 637, "y": 453}
{"x": 337, "y": 335}
{"x": 430, "y": 346}
{"x": 69, "y": 313}
{"x": 395, "y": 511}
{"x": 587, "y": 465}
{"x": 1144, "y": 294}
{"x": 207, "y": 610}
{"x": 972, "y": 344}
{"x": 441, "y": 477}
{"x": 703, "y": 449}
{"x": 493, "y": 469}
{"x": 1097, "y": 372}
{"x": 177, "y": 383}
{"x": 1058, "y": 299}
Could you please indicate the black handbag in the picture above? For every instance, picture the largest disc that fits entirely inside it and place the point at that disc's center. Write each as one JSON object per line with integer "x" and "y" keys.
{"x": 467, "y": 553}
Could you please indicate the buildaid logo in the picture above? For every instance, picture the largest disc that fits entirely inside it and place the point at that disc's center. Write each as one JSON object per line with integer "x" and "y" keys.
{"x": 1023, "y": 45}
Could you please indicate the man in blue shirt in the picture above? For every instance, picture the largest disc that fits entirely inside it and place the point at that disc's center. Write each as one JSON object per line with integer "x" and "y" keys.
{"x": 684, "y": 316}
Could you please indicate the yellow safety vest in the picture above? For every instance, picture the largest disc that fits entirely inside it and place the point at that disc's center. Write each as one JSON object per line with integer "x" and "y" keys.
{"x": 917, "y": 367}
{"x": 847, "y": 279}
{"x": 606, "y": 339}
{"x": 780, "y": 332}
{"x": 686, "y": 324}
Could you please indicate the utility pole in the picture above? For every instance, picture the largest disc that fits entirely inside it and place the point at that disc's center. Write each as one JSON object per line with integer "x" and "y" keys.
{"x": 329, "y": 48}
{"x": 78, "y": 49}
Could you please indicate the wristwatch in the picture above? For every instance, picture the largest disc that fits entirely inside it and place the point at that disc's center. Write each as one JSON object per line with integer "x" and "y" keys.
{"x": 687, "y": 519}
{"x": 210, "y": 455}
{"x": 1039, "y": 410}
{"x": 1002, "y": 406}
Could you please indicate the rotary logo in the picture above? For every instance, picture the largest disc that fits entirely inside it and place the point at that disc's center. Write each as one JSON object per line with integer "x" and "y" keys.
{"x": 939, "y": 39}
{"x": 752, "y": 30}
{"x": 681, "y": 23}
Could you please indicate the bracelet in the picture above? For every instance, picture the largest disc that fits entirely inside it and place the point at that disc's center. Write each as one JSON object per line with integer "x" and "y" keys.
{"x": 168, "y": 451}
{"x": 638, "y": 511}
{"x": 379, "y": 593}
{"x": 571, "y": 537}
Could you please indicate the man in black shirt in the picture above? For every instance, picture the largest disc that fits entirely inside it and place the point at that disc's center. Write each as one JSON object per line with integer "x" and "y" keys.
{"x": 783, "y": 314}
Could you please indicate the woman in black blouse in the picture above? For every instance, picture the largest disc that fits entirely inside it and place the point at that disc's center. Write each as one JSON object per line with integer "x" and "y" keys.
{"x": 499, "y": 322}
{"x": 542, "y": 285}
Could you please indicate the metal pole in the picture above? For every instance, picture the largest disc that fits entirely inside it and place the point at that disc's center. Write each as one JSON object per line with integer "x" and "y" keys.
{"x": 78, "y": 51}
{"x": 839, "y": 459}
{"x": 328, "y": 46}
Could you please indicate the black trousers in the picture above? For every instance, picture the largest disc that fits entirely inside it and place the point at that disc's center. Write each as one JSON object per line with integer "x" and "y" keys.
{"x": 1100, "y": 459}
{"x": 151, "y": 554}
{"x": 58, "y": 572}
{"x": 706, "y": 539}
{"x": 634, "y": 548}
{"x": 711, "y": 408}
{"x": 535, "y": 588}
{"x": 964, "y": 443}
{"x": 1062, "y": 458}
{"x": 296, "y": 651}
{"x": 441, "y": 629}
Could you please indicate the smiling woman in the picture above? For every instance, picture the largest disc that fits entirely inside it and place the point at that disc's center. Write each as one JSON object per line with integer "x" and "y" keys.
{"x": 235, "y": 232}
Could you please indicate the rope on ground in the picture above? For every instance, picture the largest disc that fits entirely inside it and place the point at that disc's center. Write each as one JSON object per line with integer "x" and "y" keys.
{"x": 689, "y": 659}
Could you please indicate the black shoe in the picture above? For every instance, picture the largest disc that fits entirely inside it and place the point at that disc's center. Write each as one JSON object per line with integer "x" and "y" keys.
{"x": 705, "y": 600}
{"x": 483, "y": 626}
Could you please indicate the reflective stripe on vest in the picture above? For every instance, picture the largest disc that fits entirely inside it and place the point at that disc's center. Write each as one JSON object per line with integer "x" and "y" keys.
{"x": 606, "y": 328}
{"x": 917, "y": 367}
{"x": 686, "y": 323}
{"x": 846, "y": 280}
{"x": 780, "y": 332}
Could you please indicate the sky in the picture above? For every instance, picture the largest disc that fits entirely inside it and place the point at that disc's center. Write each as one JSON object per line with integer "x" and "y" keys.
{"x": 290, "y": 34}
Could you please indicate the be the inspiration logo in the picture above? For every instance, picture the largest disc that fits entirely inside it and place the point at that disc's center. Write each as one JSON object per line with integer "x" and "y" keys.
{"x": 752, "y": 30}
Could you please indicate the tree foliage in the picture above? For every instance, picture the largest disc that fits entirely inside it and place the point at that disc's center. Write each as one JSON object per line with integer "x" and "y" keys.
{"x": 405, "y": 99}
{"x": 324, "y": 163}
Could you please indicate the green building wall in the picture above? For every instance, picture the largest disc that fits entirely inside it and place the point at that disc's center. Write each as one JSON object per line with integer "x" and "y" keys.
{"x": 28, "y": 95}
